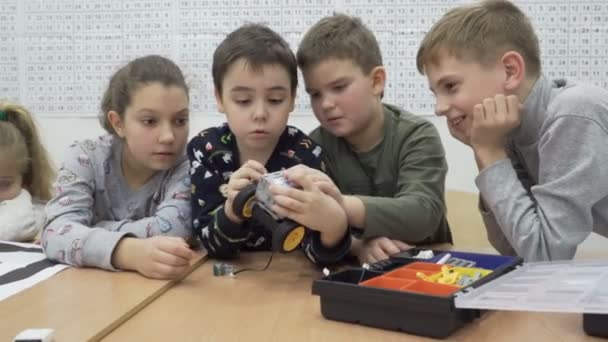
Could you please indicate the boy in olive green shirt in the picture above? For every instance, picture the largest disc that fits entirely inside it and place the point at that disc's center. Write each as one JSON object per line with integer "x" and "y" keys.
{"x": 390, "y": 164}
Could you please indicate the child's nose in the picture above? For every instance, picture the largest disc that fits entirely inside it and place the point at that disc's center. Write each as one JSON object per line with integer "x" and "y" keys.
{"x": 166, "y": 135}
{"x": 260, "y": 111}
{"x": 327, "y": 103}
{"x": 441, "y": 106}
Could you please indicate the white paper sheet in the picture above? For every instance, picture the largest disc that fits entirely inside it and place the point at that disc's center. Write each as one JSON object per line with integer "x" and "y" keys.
{"x": 23, "y": 268}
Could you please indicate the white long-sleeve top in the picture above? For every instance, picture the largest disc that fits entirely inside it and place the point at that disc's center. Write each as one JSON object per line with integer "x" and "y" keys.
{"x": 21, "y": 218}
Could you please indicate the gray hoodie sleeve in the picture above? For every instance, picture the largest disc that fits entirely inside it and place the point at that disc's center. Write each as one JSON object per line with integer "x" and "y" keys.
{"x": 68, "y": 236}
{"x": 73, "y": 238}
{"x": 550, "y": 220}
{"x": 171, "y": 217}
{"x": 495, "y": 235}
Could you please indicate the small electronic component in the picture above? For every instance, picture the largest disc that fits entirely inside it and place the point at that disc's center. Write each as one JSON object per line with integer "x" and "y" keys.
{"x": 468, "y": 280}
{"x": 458, "y": 262}
{"x": 222, "y": 269}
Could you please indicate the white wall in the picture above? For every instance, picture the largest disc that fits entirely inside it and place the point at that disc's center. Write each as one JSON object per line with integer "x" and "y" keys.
{"x": 60, "y": 132}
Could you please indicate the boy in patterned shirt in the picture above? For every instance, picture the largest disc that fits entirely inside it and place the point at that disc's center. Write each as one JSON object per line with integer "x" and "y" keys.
{"x": 255, "y": 78}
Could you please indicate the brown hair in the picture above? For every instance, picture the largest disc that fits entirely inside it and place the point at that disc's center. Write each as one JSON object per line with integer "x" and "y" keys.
{"x": 482, "y": 32}
{"x": 259, "y": 46}
{"x": 20, "y": 142}
{"x": 138, "y": 72}
{"x": 343, "y": 37}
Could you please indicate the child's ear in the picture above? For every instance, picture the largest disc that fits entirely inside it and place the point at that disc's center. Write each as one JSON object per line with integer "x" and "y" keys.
{"x": 378, "y": 77}
{"x": 218, "y": 101}
{"x": 515, "y": 70}
{"x": 117, "y": 123}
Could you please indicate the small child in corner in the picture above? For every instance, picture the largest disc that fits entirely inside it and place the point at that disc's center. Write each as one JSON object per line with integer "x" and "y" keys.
{"x": 123, "y": 200}
{"x": 255, "y": 76}
{"x": 26, "y": 175}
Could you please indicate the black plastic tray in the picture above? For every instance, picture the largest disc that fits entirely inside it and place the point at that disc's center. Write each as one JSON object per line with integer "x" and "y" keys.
{"x": 595, "y": 325}
{"x": 343, "y": 299}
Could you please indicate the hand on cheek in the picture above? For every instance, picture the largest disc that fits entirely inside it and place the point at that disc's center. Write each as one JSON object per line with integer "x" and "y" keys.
{"x": 493, "y": 120}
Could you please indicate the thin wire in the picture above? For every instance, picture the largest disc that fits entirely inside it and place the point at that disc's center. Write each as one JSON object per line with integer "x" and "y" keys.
{"x": 366, "y": 267}
{"x": 254, "y": 269}
{"x": 362, "y": 274}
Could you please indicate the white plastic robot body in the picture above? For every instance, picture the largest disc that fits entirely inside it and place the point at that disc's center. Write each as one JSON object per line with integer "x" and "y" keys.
{"x": 263, "y": 195}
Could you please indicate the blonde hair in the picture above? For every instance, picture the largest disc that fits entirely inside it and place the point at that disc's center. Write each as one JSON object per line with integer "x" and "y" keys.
{"x": 20, "y": 142}
{"x": 482, "y": 32}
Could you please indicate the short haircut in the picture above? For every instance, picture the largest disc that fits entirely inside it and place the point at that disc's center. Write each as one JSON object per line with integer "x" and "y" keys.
{"x": 342, "y": 37}
{"x": 259, "y": 46}
{"x": 481, "y": 32}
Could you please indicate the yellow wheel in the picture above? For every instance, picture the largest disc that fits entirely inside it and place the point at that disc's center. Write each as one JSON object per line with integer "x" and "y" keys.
{"x": 248, "y": 208}
{"x": 293, "y": 239}
{"x": 244, "y": 202}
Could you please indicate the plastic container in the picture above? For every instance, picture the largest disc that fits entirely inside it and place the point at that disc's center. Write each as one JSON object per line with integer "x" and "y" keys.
{"x": 403, "y": 293}
{"x": 575, "y": 286}
{"x": 391, "y": 296}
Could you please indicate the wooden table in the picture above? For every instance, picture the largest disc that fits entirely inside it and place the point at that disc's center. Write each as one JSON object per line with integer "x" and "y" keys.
{"x": 80, "y": 304}
{"x": 274, "y": 305}
{"x": 465, "y": 221}
{"x": 277, "y": 305}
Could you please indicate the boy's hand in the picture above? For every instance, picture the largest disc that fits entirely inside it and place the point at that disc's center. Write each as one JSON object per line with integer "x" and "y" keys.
{"x": 250, "y": 172}
{"x": 493, "y": 120}
{"x": 310, "y": 206}
{"x": 158, "y": 257}
{"x": 322, "y": 180}
{"x": 376, "y": 249}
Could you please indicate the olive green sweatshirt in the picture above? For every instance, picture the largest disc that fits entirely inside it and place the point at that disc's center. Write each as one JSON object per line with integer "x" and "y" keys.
{"x": 400, "y": 181}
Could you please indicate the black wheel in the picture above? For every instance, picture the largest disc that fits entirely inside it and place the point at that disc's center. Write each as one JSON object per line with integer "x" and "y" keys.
{"x": 287, "y": 236}
{"x": 243, "y": 202}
